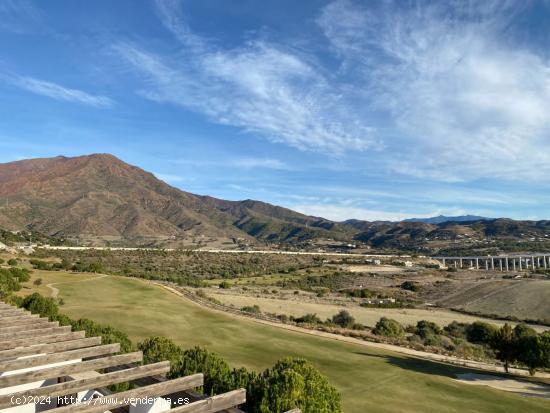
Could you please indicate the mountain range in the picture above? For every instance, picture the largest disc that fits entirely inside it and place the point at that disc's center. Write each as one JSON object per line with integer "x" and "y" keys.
{"x": 443, "y": 218}
{"x": 101, "y": 199}
{"x": 101, "y": 196}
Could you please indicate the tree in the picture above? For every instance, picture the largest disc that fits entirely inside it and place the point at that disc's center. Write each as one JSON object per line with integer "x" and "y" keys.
{"x": 522, "y": 330}
{"x": 480, "y": 333}
{"x": 344, "y": 319}
{"x": 292, "y": 383}
{"x": 44, "y": 306}
{"x": 38, "y": 282}
{"x": 504, "y": 345}
{"x": 8, "y": 283}
{"x": 158, "y": 348}
{"x": 109, "y": 334}
{"x": 22, "y": 274}
{"x": 95, "y": 267}
{"x": 544, "y": 350}
{"x": 66, "y": 264}
{"x": 533, "y": 350}
{"x": 218, "y": 376}
{"x": 389, "y": 328}
{"x": 427, "y": 329}
{"x": 12, "y": 262}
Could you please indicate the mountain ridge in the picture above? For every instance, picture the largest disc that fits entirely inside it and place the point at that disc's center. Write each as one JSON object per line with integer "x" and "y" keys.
{"x": 100, "y": 195}
{"x": 102, "y": 200}
{"x": 444, "y": 218}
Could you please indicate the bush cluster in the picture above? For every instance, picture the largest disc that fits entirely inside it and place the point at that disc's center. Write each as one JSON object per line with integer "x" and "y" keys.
{"x": 292, "y": 383}
{"x": 11, "y": 279}
{"x": 521, "y": 344}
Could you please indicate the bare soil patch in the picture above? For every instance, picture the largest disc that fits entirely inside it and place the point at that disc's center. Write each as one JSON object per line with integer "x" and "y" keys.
{"x": 507, "y": 384}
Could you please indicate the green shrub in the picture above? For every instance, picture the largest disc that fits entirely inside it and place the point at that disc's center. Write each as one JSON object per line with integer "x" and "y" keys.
{"x": 283, "y": 318}
{"x": 309, "y": 319}
{"x": 253, "y": 309}
{"x": 410, "y": 286}
{"x": 8, "y": 283}
{"x": 534, "y": 351}
{"x": 156, "y": 349}
{"x": 343, "y": 319}
{"x": 427, "y": 329}
{"x": 480, "y": 332}
{"x": 361, "y": 293}
{"x": 389, "y": 328}
{"x": 218, "y": 377}
{"x": 225, "y": 285}
{"x": 21, "y": 273}
{"x": 40, "y": 265}
{"x": 38, "y": 304}
{"x": 456, "y": 329}
{"x": 293, "y": 383}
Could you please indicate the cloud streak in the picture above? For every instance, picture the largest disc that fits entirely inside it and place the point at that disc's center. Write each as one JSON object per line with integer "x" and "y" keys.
{"x": 57, "y": 92}
{"x": 431, "y": 91}
{"x": 467, "y": 101}
{"x": 262, "y": 88}
{"x": 20, "y": 16}
{"x": 343, "y": 212}
{"x": 260, "y": 163}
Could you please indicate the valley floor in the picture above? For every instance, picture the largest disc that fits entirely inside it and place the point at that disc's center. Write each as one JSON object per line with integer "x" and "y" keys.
{"x": 369, "y": 379}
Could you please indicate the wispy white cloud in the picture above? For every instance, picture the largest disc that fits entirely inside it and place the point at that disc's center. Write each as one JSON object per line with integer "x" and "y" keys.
{"x": 237, "y": 187}
{"x": 56, "y": 91}
{"x": 260, "y": 87}
{"x": 240, "y": 163}
{"x": 467, "y": 101}
{"x": 432, "y": 90}
{"x": 172, "y": 17}
{"x": 343, "y": 212}
{"x": 256, "y": 163}
{"x": 19, "y": 16}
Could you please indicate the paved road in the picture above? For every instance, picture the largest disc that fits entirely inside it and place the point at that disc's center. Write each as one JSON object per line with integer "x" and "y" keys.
{"x": 342, "y": 254}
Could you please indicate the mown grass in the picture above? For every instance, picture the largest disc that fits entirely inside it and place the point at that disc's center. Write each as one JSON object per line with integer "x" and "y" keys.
{"x": 368, "y": 379}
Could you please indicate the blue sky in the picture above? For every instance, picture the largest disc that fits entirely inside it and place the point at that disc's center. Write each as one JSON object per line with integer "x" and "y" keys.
{"x": 342, "y": 109}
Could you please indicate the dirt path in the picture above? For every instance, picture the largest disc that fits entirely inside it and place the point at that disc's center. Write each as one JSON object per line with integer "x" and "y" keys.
{"x": 55, "y": 291}
{"x": 389, "y": 347}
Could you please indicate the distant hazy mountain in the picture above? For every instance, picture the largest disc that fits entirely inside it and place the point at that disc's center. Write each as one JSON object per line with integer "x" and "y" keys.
{"x": 442, "y": 218}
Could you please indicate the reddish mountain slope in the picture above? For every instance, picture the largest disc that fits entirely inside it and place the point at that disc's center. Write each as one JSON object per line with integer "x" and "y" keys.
{"x": 99, "y": 195}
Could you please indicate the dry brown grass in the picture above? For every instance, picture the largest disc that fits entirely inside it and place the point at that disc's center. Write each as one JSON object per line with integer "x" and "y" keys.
{"x": 368, "y": 316}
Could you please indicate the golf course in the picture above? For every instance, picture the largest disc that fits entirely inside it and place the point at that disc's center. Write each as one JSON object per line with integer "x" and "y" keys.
{"x": 368, "y": 379}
